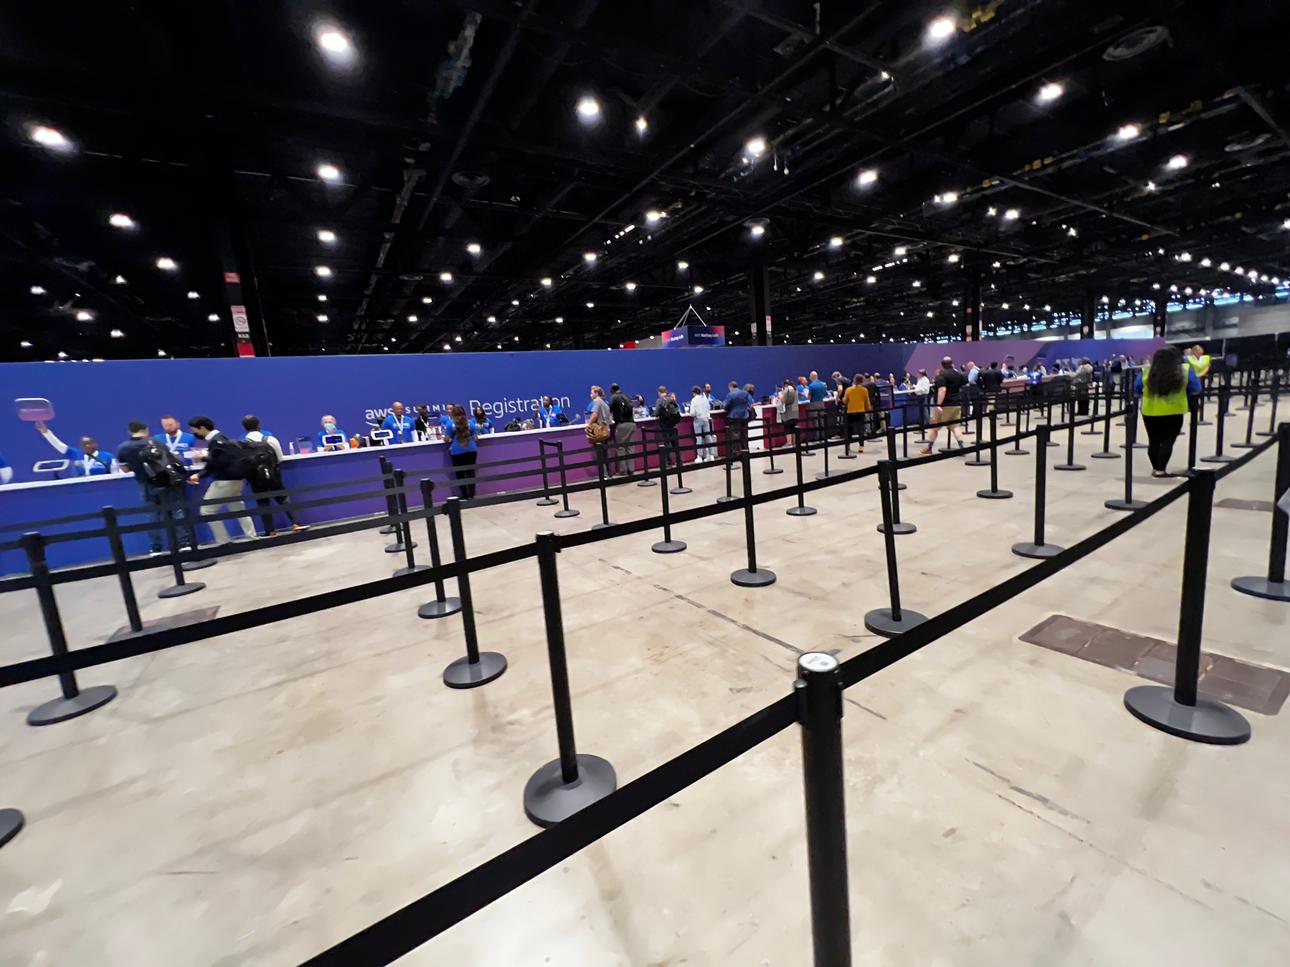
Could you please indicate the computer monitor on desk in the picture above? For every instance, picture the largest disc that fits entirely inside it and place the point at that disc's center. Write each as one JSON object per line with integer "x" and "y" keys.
{"x": 52, "y": 467}
{"x": 381, "y": 438}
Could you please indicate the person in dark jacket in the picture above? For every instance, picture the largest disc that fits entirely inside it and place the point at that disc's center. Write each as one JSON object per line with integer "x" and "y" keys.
{"x": 621, "y": 411}
{"x": 224, "y": 467}
{"x": 166, "y": 498}
{"x": 739, "y": 403}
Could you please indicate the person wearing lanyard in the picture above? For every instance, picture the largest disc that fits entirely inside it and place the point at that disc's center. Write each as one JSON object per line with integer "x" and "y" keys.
{"x": 462, "y": 451}
{"x": 330, "y": 429}
{"x": 399, "y": 425}
{"x": 175, "y": 438}
{"x": 482, "y": 423}
{"x": 548, "y": 413}
{"x": 87, "y": 459}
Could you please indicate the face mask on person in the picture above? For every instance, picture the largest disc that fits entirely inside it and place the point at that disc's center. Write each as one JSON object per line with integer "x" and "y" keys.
{"x": 329, "y": 427}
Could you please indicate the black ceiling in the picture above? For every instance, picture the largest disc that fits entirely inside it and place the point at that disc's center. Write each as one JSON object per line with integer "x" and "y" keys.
{"x": 457, "y": 123}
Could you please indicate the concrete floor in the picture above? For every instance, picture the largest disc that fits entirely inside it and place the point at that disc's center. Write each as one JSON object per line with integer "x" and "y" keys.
{"x": 256, "y": 798}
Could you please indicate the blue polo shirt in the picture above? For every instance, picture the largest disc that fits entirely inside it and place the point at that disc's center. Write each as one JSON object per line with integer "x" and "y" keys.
{"x": 738, "y": 403}
{"x": 402, "y": 428}
{"x": 817, "y": 390}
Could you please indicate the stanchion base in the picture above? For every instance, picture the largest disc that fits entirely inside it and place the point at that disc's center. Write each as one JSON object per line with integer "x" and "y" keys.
{"x": 179, "y": 590}
{"x": 680, "y": 490}
{"x": 62, "y": 709}
{"x": 900, "y": 527}
{"x": 1207, "y": 721}
{"x": 411, "y": 570}
{"x": 759, "y": 578}
{"x": 1217, "y": 458}
{"x": 1136, "y": 446}
{"x": 668, "y": 547}
{"x": 976, "y": 462}
{"x": 11, "y": 823}
{"x": 880, "y": 621}
{"x": 1069, "y": 466}
{"x": 197, "y": 563}
{"x": 825, "y": 475}
{"x": 801, "y": 512}
{"x": 1105, "y": 455}
{"x": 1264, "y": 433}
{"x": 546, "y": 502}
{"x": 994, "y": 494}
{"x": 1016, "y": 453}
{"x": 901, "y": 486}
{"x": 1053, "y": 443}
{"x": 603, "y": 524}
{"x": 548, "y": 799}
{"x": 1204, "y": 422}
{"x": 462, "y": 674}
{"x": 1027, "y": 549}
{"x": 571, "y": 512}
{"x": 1243, "y": 446}
{"x": 395, "y": 548}
{"x": 1090, "y": 432}
{"x": 388, "y": 529}
{"x": 648, "y": 483}
{"x": 1261, "y": 587}
{"x": 439, "y": 609}
{"x": 1119, "y": 503}
{"x": 773, "y": 470}
{"x": 726, "y": 498}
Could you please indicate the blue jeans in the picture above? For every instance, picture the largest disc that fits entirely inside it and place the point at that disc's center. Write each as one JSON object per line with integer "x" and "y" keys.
{"x": 169, "y": 502}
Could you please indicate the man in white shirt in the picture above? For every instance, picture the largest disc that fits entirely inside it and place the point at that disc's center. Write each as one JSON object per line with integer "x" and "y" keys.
{"x": 922, "y": 392}
{"x": 704, "y": 439}
{"x": 251, "y": 424}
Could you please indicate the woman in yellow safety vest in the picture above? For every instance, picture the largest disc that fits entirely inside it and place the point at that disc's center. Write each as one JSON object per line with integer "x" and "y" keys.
{"x": 1163, "y": 385}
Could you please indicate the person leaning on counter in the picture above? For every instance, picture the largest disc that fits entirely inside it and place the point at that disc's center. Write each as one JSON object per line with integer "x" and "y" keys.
{"x": 401, "y": 427}
{"x": 87, "y": 460}
{"x": 174, "y": 437}
{"x": 330, "y": 428}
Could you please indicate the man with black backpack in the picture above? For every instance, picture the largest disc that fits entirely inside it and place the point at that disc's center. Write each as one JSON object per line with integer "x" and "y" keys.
{"x": 161, "y": 482}
{"x": 228, "y": 465}
{"x": 266, "y": 475}
{"x": 668, "y": 415}
{"x": 624, "y": 431}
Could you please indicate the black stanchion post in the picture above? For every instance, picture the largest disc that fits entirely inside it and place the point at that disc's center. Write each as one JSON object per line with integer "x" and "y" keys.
{"x": 1038, "y": 548}
{"x": 770, "y": 451}
{"x": 824, "y": 442}
{"x": 1017, "y": 450}
{"x": 11, "y": 823}
{"x": 680, "y": 487}
{"x": 1180, "y": 711}
{"x": 666, "y": 545}
{"x": 180, "y": 587}
{"x": 1193, "y": 437}
{"x": 441, "y": 606}
{"x": 729, "y": 494}
{"x": 819, "y": 713}
{"x": 74, "y": 701}
{"x": 978, "y": 458}
{"x": 122, "y": 571}
{"x": 574, "y": 780}
{"x": 1092, "y": 427}
{"x": 476, "y": 668}
{"x": 1252, "y": 404}
{"x": 1070, "y": 463}
{"x": 1048, "y": 421}
{"x": 891, "y": 455}
{"x": 387, "y": 474}
{"x": 1219, "y": 456}
{"x": 893, "y": 522}
{"x": 564, "y": 511}
{"x": 547, "y": 500}
{"x": 994, "y": 493}
{"x": 1106, "y": 453}
{"x": 1275, "y": 586}
{"x": 1130, "y": 444}
{"x": 892, "y": 620}
{"x": 800, "y": 509}
{"x": 646, "y": 480}
{"x": 406, "y": 543}
{"x": 751, "y": 576}
{"x": 1272, "y": 419}
{"x": 601, "y": 459}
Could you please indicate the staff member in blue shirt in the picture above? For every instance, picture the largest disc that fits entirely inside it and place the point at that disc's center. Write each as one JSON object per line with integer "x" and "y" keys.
{"x": 87, "y": 459}
{"x": 6, "y": 471}
{"x": 400, "y": 426}
{"x": 330, "y": 428}
{"x": 548, "y": 413}
{"x": 175, "y": 438}
{"x": 738, "y": 413}
{"x": 462, "y": 450}
{"x": 482, "y": 423}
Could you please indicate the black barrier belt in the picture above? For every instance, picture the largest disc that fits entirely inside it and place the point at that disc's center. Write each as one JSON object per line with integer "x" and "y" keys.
{"x": 421, "y": 920}
{"x": 30, "y": 670}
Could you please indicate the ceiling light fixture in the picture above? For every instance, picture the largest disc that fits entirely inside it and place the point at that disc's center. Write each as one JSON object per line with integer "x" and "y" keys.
{"x": 1011, "y": 215}
{"x": 328, "y": 172}
{"x": 756, "y": 146}
{"x": 546, "y": 282}
{"x": 1225, "y": 266}
{"x": 591, "y": 305}
{"x": 835, "y": 241}
{"x": 818, "y": 276}
{"x": 322, "y": 297}
{"x": 326, "y": 236}
{"x": 698, "y": 290}
{"x": 946, "y": 198}
{"x": 117, "y": 334}
{"x": 588, "y": 108}
{"x": 682, "y": 265}
{"x": 757, "y": 231}
{"x": 50, "y": 138}
{"x": 515, "y": 302}
{"x": 589, "y": 257}
{"x": 37, "y": 290}
{"x": 473, "y": 248}
{"x": 1050, "y": 92}
{"x": 952, "y": 258}
{"x": 194, "y": 294}
{"x": 1127, "y": 132}
{"x": 871, "y": 279}
{"x": 652, "y": 216}
{"x": 118, "y": 280}
{"x": 867, "y": 177}
{"x": 445, "y": 277}
{"x": 84, "y": 315}
{"x": 25, "y": 344}
{"x": 641, "y": 127}
{"x": 166, "y": 264}
{"x": 213, "y": 317}
{"x": 121, "y": 220}
{"x": 491, "y": 319}
{"x": 1177, "y": 162}
{"x": 940, "y": 30}
{"x": 900, "y": 250}
{"x": 412, "y": 317}
{"x": 334, "y": 43}
{"x": 322, "y": 271}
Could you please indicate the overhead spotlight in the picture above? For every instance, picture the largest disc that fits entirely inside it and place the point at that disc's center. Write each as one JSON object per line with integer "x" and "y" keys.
{"x": 641, "y": 127}
{"x": 591, "y": 305}
{"x": 166, "y": 264}
{"x": 1048, "y": 308}
{"x": 1240, "y": 271}
{"x": 63, "y": 355}
{"x": 867, "y": 177}
{"x": 515, "y": 302}
{"x": 652, "y": 216}
{"x": 118, "y": 280}
{"x": 946, "y": 198}
{"x": 698, "y": 290}
{"x": 117, "y": 334}
{"x": 322, "y": 297}
{"x": 1155, "y": 285}
{"x": 996, "y": 265}
{"x": 426, "y": 300}
{"x": 84, "y": 315}
{"x": 900, "y": 250}
{"x": 1004, "y": 305}
{"x": 756, "y": 146}
{"x": 446, "y": 346}
{"x": 1050, "y": 92}
{"x": 818, "y": 276}
{"x": 194, "y": 294}
{"x": 456, "y": 339}
{"x": 326, "y": 236}
{"x": 491, "y": 319}
{"x": 929, "y": 313}
{"x": 25, "y": 344}
{"x": 588, "y": 109}
{"x": 940, "y": 30}
{"x": 546, "y": 282}
{"x": 334, "y": 43}
{"x": 589, "y": 257}
{"x": 871, "y": 279}
{"x": 917, "y": 284}
{"x": 473, "y": 248}
{"x": 322, "y": 271}
{"x": 630, "y": 286}
{"x": 1177, "y": 162}
{"x": 1105, "y": 299}
{"x": 1127, "y": 132}
{"x": 1072, "y": 232}
{"x": 1173, "y": 288}
{"x": 445, "y": 277}
{"x": 682, "y": 265}
{"x": 1286, "y": 224}
{"x": 1184, "y": 257}
{"x": 1151, "y": 186}
{"x": 160, "y": 352}
{"x": 952, "y": 258}
{"x": 213, "y": 317}
{"x": 1225, "y": 266}
{"x": 121, "y": 220}
{"x": 835, "y": 241}
{"x": 50, "y": 138}
{"x": 1011, "y": 215}
{"x": 1205, "y": 262}
{"x": 328, "y": 172}
{"x": 412, "y": 317}
{"x": 559, "y": 320}
{"x": 757, "y": 231}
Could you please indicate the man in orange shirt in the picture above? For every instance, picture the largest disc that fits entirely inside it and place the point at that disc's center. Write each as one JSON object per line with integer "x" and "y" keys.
{"x": 856, "y": 399}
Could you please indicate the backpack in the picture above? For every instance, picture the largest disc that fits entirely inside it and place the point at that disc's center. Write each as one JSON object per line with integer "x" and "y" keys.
{"x": 160, "y": 467}
{"x": 257, "y": 462}
{"x": 668, "y": 413}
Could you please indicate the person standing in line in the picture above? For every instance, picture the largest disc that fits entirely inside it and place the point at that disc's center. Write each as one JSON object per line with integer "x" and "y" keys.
{"x": 815, "y": 393}
{"x": 990, "y": 382}
{"x": 949, "y": 386}
{"x": 228, "y": 468}
{"x": 1082, "y": 381}
{"x": 161, "y": 475}
{"x": 87, "y": 460}
{"x": 840, "y": 386}
{"x": 738, "y": 413}
{"x": 175, "y": 438}
{"x": 624, "y": 430}
{"x": 1164, "y": 385}
{"x": 270, "y": 479}
{"x": 790, "y": 410}
{"x": 402, "y": 427}
{"x": 668, "y": 415}
{"x": 923, "y": 391}
{"x": 971, "y": 392}
{"x": 1199, "y": 362}
{"x": 856, "y": 401}
{"x": 707, "y": 393}
{"x": 701, "y": 413}
{"x": 882, "y": 400}
{"x": 462, "y": 450}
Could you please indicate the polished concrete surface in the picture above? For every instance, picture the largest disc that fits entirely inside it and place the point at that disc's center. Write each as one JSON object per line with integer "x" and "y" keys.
{"x": 255, "y": 798}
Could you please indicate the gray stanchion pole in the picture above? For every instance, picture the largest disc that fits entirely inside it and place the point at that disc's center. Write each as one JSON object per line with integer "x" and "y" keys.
{"x": 1092, "y": 427}
{"x": 476, "y": 668}
{"x": 751, "y": 576}
{"x": 602, "y": 450}
{"x": 994, "y": 493}
{"x": 387, "y": 474}
{"x": 1038, "y": 548}
{"x": 891, "y": 522}
{"x": 1272, "y": 418}
{"x": 1193, "y": 434}
{"x": 547, "y": 500}
{"x": 564, "y": 511}
{"x": 574, "y": 780}
{"x": 122, "y": 572}
{"x": 666, "y": 545}
{"x": 800, "y": 509}
{"x": 1219, "y": 456}
{"x": 1275, "y": 586}
{"x": 180, "y": 587}
{"x": 1130, "y": 444}
{"x": 1180, "y": 711}
{"x": 441, "y": 606}
{"x": 771, "y": 470}
{"x": 11, "y": 823}
{"x": 819, "y": 693}
{"x": 1070, "y": 463}
{"x": 74, "y": 701}
{"x": 892, "y": 620}
{"x": 406, "y": 542}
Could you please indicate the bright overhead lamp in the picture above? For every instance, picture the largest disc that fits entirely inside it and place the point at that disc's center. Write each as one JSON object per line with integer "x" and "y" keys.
{"x": 591, "y": 305}
{"x": 121, "y": 220}
{"x": 940, "y": 30}
{"x": 1286, "y": 224}
{"x": 118, "y": 280}
{"x": 84, "y": 315}
{"x": 946, "y": 198}
{"x": 1151, "y": 186}
{"x": 1127, "y": 132}
{"x": 1011, "y": 215}
{"x": 473, "y": 248}
{"x": 630, "y": 286}
{"x": 871, "y": 279}
{"x": 1184, "y": 256}
{"x": 50, "y": 138}
{"x": 835, "y": 241}
{"x": 322, "y": 297}
{"x": 445, "y": 277}
{"x": 652, "y": 216}
{"x": 1073, "y": 232}
{"x": 1225, "y": 266}
{"x": 867, "y": 177}
{"x": 682, "y": 265}
{"x": 952, "y": 257}
{"x": 546, "y": 282}
{"x": 328, "y": 172}
{"x": 322, "y": 317}
{"x": 1177, "y": 162}
{"x": 756, "y": 231}
{"x": 326, "y": 235}
{"x": 62, "y": 355}
{"x": 412, "y": 317}
{"x": 1050, "y": 92}
{"x": 755, "y": 146}
{"x": 166, "y": 264}
{"x": 589, "y": 257}
{"x": 559, "y": 320}
{"x": 491, "y": 319}
{"x": 213, "y": 317}
{"x": 37, "y": 290}
{"x": 334, "y": 43}
{"x": 917, "y": 284}
{"x": 24, "y": 344}
{"x": 1205, "y": 262}
{"x": 515, "y": 302}
{"x": 1240, "y": 271}
{"x": 588, "y": 108}
{"x": 818, "y": 276}
{"x": 900, "y": 250}
{"x": 698, "y": 290}
{"x": 194, "y": 294}
{"x": 117, "y": 334}
{"x": 641, "y": 127}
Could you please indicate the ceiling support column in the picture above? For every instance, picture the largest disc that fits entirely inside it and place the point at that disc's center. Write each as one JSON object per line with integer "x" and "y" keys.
{"x": 972, "y": 309}
{"x": 759, "y": 305}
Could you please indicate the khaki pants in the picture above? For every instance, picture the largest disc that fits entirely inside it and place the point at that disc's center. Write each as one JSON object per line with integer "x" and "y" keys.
{"x": 229, "y": 495}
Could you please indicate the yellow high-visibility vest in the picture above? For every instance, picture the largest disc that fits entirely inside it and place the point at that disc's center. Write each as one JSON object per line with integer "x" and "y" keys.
{"x": 1169, "y": 405}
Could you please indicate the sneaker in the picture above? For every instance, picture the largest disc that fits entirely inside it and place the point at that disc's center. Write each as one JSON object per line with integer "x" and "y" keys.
{"x": 158, "y": 552}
